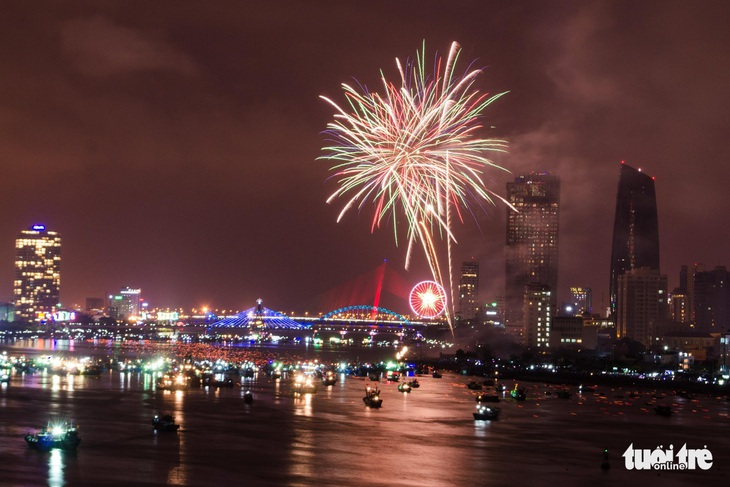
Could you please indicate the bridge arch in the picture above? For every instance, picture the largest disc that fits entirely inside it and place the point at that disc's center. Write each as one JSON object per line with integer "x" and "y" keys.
{"x": 368, "y": 309}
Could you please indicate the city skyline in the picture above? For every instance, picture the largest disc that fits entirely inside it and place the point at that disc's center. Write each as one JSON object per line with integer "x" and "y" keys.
{"x": 175, "y": 149}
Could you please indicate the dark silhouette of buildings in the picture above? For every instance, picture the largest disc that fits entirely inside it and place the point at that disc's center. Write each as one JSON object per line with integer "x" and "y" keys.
{"x": 712, "y": 300}
{"x": 635, "y": 229}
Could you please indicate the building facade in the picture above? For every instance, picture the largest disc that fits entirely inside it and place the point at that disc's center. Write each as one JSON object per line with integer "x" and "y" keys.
{"x": 532, "y": 243}
{"x": 493, "y": 314}
{"x": 635, "y": 242}
{"x": 642, "y": 304}
{"x": 468, "y": 291}
{"x": 712, "y": 300}
{"x": 566, "y": 332}
{"x": 538, "y": 314}
{"x": 37, "y": 284}
{"x": 581, "y": 300}
{"x": 125, "y": 305}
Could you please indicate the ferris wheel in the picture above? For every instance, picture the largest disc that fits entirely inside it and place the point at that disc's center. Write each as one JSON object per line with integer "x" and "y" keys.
{"x": 428, "y": 299}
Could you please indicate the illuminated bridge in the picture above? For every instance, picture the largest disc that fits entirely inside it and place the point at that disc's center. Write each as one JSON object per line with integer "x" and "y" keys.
{"x": 258, "y": 318}
{"x": 358, "y": 318}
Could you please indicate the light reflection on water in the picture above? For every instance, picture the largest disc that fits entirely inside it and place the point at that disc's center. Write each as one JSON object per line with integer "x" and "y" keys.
{"x": 303, "y": 404}
{"x": 425, "y": 438}
{"x": 55, "y": 468}
{"x": 178, "y": 474}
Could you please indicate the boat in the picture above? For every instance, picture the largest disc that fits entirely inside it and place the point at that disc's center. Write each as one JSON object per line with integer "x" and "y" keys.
{"x": 374, "y": 376}
{"x": 169, "y": 382}
{"x": 329, "y": 378}
{"x": 563, "y": 394}
{"x": 485, "y": 397}
{"x": 392, "y": 376}
{"x": 404, "y": 387}
{"x": 486, "y": 413}
{"x": 92, "y": 370}
{"x": 372, "y": 398}
{"x": 414, "y": 383}
{"x": 248, "y": 397}
{"x": 164, "y": 422}
{"x": 436, "y": 374}
{"x": 474, "y": 386}
{"x": 663, "y": 410}
{"x": 304, "y": 385}
{"x": 63, "y": 436}
{"x": 226, "y": 382}
{"x": 518, "y": 394}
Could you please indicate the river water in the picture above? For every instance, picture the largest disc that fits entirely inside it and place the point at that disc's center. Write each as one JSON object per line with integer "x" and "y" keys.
{"x": 425, "y": 438}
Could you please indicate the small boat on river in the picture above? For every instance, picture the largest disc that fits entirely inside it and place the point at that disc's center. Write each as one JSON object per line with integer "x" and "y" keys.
{"x": 486, "y": 397}
{"x": 329, "y": 378}
{"x": 372, "y": 398}
{"x": 518, "y": 394}
{"x": 164, "y": 422}
{"x": 663, "y": 410}
{"x": 563, "y": 394}
{"x": 63, "y": 436}
{"x": 486, "y": 413}
{"x": 304, "y": 385}
{"x": 474, "y": 386}
{"x": 170, "y": 382}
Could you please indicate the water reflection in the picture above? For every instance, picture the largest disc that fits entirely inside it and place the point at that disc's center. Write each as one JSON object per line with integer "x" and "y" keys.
{"x": 178, "y": 475}
{"x": 55, "y": 384}
{"x": 303, "y": 453}
{"x": 303, "y": 405}
{"x": 55, "y": 468}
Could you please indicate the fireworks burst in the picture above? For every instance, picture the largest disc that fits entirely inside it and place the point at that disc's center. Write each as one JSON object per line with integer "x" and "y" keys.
{"x": 414, "y": 151}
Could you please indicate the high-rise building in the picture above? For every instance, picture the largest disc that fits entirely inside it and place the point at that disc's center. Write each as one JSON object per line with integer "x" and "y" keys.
{"x": 680, "y": 302}
{"x": 468, "y": 291}
{"x": 37, "y": 284}
{"x": 712, "y": 300}
{"x": 494, "y": 312}
{"x": 532, "y": 243}
{"x": 537, "y": 313}
{"x": 125, "y": 305}
{"x": 642, "y": 304}
{"x": 581, "y": 300}
{"x": 696, "y": 268}
{"x": 679, "y": 306}
{"x": 635, "y": 229}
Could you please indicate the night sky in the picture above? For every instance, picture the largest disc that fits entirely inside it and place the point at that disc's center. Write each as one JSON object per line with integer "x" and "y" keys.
{"x": 174, "y": 145}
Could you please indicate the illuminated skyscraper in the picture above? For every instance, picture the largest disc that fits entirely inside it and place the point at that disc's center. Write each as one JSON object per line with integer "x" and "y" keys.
{"x": 37, "y": 272}
{"x": 581, "y": 300}
{"x": 125, "y": 305}
{"x": 532, "y": 243}
{"x": 469, "y": 291}
{"x": 635, "y": 228}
